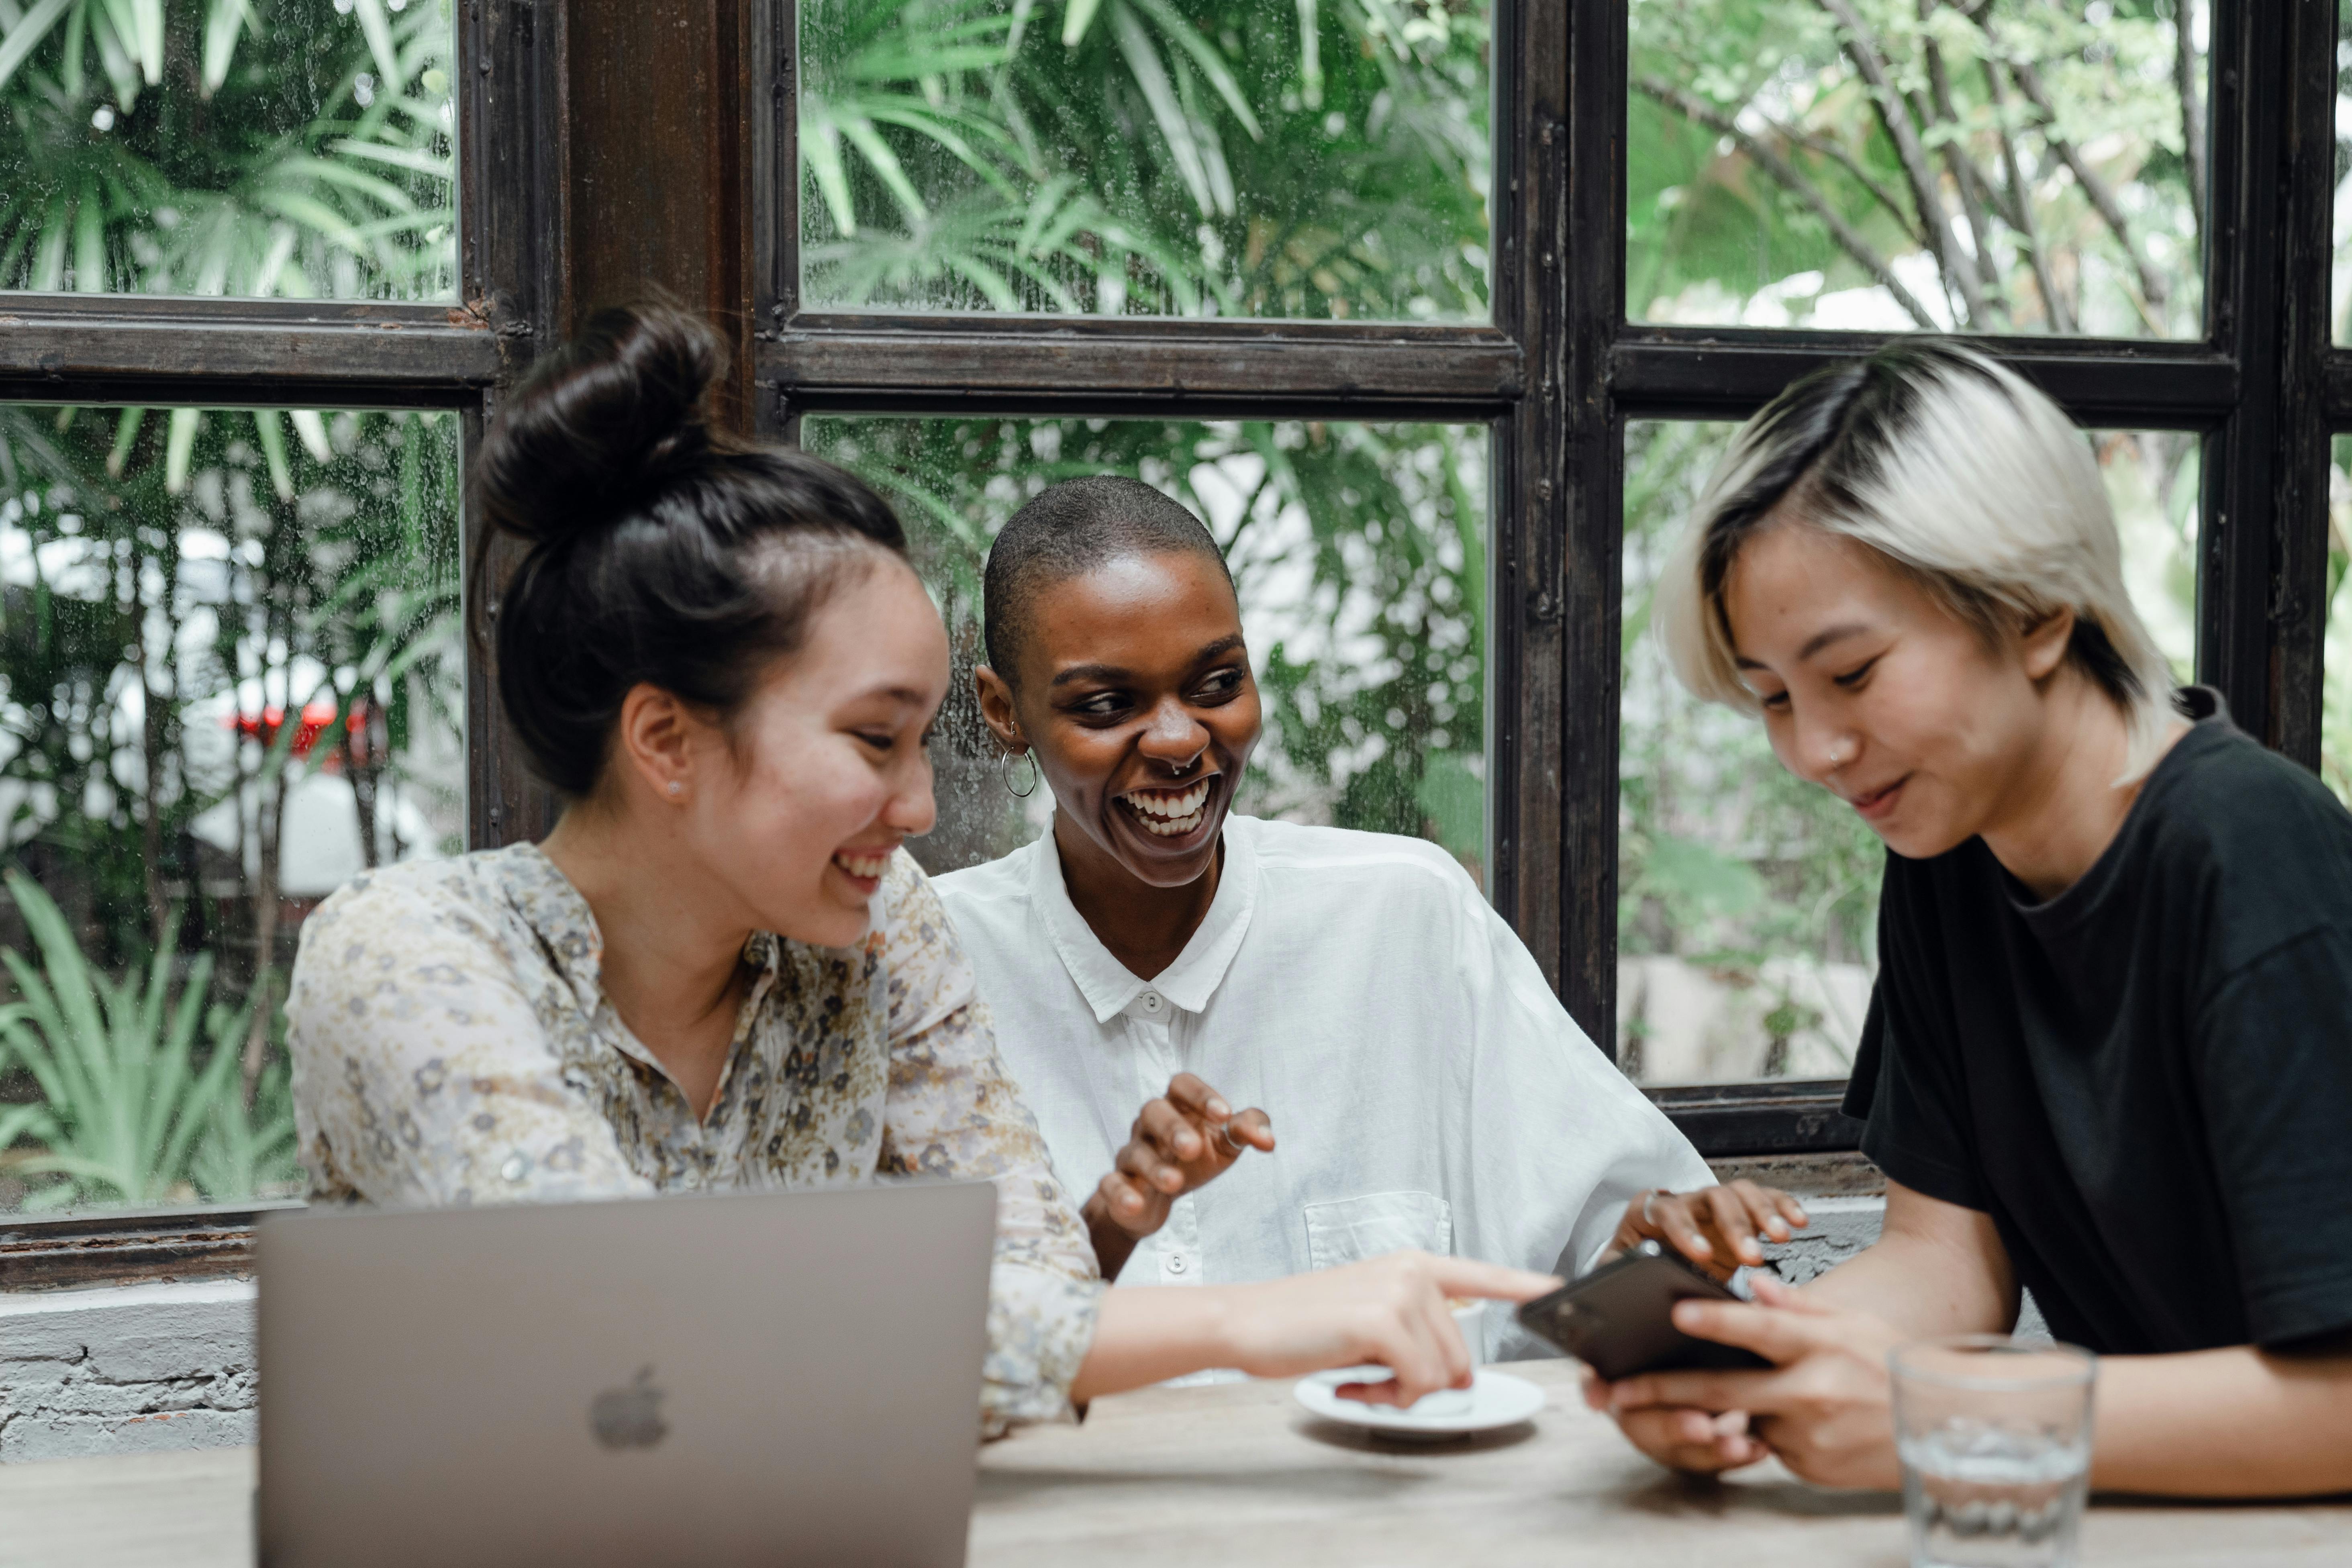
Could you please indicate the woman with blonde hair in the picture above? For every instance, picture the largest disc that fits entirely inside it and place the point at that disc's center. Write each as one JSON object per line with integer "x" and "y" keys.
{"x": 2109, "y": 1055}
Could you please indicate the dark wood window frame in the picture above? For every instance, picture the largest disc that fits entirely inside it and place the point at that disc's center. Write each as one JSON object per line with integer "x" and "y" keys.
{"x": 589, "y": 106}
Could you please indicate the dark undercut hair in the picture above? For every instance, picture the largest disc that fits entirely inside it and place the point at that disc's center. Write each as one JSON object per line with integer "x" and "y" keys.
{"x": 1068, "y": 532}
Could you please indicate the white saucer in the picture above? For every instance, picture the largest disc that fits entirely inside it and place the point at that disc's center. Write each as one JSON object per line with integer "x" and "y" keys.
{"x": 1497, "y": 1399}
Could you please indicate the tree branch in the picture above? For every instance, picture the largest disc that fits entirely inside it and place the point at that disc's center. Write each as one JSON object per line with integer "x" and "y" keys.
{"x": 2021, "y": 216}
{"x": 1971, "y": 180}
{"x": 2101, "y": 196}
{"x": 2193, "y": 112}
{"x": 1894, "y": 114}
{"x": 1827, "y": 147}
{"x": 1700, "y": 112}
{"x": 2153, "y": 291}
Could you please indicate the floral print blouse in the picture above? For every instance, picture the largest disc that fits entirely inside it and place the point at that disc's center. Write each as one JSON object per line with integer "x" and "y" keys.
{"x": 453, "y": 1045}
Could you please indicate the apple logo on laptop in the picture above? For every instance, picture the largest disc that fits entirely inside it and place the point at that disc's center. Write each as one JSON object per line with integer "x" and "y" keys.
{"x": 630, "y": 1417}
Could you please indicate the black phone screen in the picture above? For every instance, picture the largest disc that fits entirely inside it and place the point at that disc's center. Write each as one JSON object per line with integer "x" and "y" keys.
{"x": 1618, "y": 1320}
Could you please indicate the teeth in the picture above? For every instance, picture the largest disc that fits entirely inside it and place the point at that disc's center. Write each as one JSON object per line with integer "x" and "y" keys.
{"x": 862, "y": 865}
{"x": 1158, "y": 804}
{"x": 1168, "y": 816}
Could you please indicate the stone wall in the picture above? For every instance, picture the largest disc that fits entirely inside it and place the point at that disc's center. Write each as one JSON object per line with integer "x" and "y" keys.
{"x": 126, "y": 1369}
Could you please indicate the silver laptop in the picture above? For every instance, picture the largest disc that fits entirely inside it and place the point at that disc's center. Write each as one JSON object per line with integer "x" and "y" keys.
{"x": 733, "y": 1379}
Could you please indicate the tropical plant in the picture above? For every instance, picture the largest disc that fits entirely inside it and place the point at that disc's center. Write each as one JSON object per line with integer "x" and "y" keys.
{"x": 258, "y": 147}
{"x": 1147, "y": 156}
{"x": 128, "y": 1111}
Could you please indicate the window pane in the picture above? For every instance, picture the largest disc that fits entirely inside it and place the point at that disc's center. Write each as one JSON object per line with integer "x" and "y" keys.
{"x": 2025, "y": 166}
{"x": 2335, "y": 651}
{"x": 1360, "y": 552}
{"x": 2343, "y": 271}
{"x": 230, "y": 679}
{"x": 1747, "y": 899}
{"x": 297, "y": 148}
{"x": 1315, "y": 158}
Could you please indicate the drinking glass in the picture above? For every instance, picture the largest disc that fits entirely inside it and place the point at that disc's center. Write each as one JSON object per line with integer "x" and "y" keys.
{"x": 1995, "y": 1439}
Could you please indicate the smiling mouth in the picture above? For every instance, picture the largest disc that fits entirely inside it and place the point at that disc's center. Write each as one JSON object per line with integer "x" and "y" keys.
{"x": 867, "y": 863}
{"x": 1170, "y": 813}
{"x": 1878, "y": 800}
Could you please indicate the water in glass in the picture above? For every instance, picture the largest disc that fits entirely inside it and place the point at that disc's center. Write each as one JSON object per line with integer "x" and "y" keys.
{"x": 1995, "y": 1440}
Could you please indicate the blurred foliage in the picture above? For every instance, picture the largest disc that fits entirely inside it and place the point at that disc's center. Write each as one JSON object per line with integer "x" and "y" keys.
{"x": 2011, "y": 165}
{"x": 199, "y": 611}
{"x": 1190, "y": 157}
{"x": 2336, "y": 652}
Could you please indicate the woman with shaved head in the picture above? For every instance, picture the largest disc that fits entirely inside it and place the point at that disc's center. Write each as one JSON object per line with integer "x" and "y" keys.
{"x": 1157, "y": 951}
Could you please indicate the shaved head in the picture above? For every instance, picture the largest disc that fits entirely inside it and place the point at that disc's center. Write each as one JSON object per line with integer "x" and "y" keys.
{"x": 1068, "y": 532}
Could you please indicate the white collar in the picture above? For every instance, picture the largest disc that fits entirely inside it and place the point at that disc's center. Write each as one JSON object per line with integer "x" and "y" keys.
{"x": 1110, "y": 985}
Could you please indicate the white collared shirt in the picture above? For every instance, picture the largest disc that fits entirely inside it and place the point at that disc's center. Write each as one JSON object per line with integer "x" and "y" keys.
{"x": 1426, "y": 1087}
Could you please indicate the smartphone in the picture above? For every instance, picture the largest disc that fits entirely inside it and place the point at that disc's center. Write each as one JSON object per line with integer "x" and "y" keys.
{"x": 1619, "y": 1319}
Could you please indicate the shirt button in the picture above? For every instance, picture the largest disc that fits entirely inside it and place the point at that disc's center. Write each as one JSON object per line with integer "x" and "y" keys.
{"x": 1175, "y": 1263}
{"x": 1152, "y": 1002}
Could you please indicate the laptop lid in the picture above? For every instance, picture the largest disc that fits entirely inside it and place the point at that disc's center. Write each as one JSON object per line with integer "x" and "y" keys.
{"x": 723, "y": 1379}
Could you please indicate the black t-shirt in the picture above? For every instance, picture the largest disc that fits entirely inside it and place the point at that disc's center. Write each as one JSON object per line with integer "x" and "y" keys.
{"x": 2146, "y": 1081}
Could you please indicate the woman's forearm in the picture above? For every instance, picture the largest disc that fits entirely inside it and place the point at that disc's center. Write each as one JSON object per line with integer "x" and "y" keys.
{"x": 2240, "y": 1422}
{"x": 1146, "y": 1336}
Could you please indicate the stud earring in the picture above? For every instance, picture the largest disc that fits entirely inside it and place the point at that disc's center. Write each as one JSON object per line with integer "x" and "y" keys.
{"x": 675, "y": 787}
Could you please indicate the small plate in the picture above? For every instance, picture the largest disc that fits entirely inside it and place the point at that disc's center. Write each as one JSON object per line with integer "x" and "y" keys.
{"x": 1496, "y": 1399}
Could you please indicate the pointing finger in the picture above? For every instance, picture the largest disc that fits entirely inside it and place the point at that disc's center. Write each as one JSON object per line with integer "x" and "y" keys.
{"x": 1468, "y": 1276}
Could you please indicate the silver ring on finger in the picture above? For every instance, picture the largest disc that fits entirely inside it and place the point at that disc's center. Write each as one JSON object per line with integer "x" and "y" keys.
{"x": 1233, "y": 1144}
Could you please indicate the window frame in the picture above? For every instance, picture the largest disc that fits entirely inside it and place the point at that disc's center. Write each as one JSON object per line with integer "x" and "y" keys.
{"x": 1554, "y": 376}
{"x": 1559, "y": 371}
{"x": 210, "y": 351}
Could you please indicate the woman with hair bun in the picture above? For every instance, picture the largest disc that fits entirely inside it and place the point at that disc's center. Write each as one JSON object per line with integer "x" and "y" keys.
{"x": 2109, "y": 1056}
{"x": 721, "y": 969}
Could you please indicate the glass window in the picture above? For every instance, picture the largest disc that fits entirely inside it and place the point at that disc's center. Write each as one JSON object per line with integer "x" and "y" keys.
{"x": 2342, "y": 273}
{"x": 296, "y": 148}
{"x": 2336, "y": 651}
{"x": 231, "y": 678}
{"x": 1748, "y": 900}
{"x": 2019, "y": 166}
{"x": 1303, "y": 158}
{"x": 1359, "y": 552}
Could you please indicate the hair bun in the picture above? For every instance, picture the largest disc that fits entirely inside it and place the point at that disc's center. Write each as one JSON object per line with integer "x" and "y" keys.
{"x": 599, "y": 423}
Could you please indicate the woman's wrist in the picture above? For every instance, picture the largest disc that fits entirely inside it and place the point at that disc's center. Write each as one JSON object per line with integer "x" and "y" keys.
{"x": 1113, "y": 1243}
{"x": 1149, "y": 1334}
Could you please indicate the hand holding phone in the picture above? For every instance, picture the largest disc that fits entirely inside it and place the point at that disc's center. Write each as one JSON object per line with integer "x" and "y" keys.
{"x": 1619, "y": 1319}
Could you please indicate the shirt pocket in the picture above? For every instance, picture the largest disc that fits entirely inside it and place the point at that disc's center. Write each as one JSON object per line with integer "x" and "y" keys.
{"x": 1349, "y": 1230}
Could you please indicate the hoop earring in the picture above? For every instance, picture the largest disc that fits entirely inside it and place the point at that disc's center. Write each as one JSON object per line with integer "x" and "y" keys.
{"x": 1004, "y": 772}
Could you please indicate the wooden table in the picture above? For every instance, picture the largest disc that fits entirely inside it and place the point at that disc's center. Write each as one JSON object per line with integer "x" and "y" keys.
{"x": 1242, "y": 1472}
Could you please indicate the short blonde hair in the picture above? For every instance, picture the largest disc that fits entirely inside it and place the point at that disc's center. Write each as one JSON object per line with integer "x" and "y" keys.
{"x": 1958, "y": 474}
